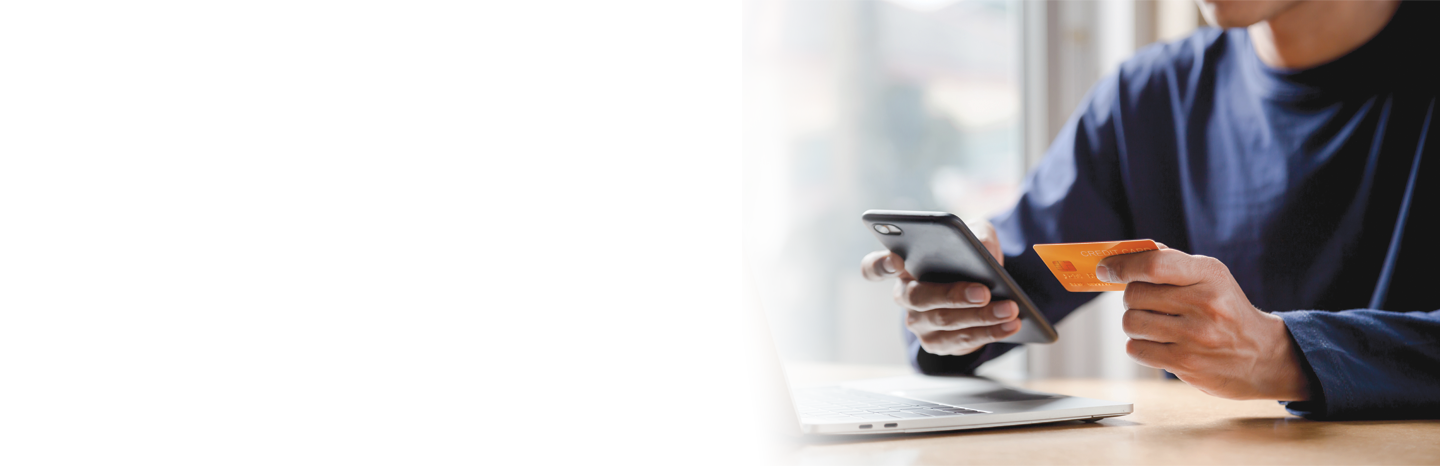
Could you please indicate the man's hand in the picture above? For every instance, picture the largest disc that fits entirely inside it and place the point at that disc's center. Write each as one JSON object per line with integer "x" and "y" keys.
{"x": 949, "y": 318}
{"x": 1186, "y": 314}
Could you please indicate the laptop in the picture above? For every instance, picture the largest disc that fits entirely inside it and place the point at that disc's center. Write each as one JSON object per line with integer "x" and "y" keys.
{"x": 880, "y": 406}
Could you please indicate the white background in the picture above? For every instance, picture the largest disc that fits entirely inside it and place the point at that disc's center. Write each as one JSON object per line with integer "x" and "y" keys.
{"x": 390, "y": 232}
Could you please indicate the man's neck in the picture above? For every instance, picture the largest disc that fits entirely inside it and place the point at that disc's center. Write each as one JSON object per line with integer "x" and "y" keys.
{"x": 1315, "y": 32}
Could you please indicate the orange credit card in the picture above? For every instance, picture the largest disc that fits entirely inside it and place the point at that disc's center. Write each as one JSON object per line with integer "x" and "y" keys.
{"x": 1074, "y": 263}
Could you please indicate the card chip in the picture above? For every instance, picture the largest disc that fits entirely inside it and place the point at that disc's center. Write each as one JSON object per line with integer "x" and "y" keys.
{"x": 1064, "y": 266}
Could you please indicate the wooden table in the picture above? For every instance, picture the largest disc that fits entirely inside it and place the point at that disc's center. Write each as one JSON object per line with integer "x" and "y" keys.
{"x": 1172, "y": 424}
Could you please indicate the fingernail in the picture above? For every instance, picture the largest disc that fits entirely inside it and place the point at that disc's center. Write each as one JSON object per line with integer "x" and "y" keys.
{"x": 1002, "y": 311}
{"x": 889, "y": 264}
{"x": 1010, "y": 326}
{"x": 1102, "y": 273}
{"x": 975, "y": 293}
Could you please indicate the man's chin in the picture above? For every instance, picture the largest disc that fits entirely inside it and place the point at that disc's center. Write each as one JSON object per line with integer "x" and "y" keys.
{"x": 1231, "y": 19}
{"x": 1240, "y": 13}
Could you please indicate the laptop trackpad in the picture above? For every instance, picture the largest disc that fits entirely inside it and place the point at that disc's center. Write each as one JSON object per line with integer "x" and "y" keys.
{"x": 961, "y": 398}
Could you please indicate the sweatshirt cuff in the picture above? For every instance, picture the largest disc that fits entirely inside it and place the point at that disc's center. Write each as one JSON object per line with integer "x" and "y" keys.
{"x": 1318, "y": 358}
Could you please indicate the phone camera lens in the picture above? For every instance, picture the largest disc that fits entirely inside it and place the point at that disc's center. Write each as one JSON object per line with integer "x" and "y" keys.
{"x": 887, "y": 229}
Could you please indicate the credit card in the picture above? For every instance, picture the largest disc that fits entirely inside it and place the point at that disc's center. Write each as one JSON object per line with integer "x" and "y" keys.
{"x": 1074, "y": 263}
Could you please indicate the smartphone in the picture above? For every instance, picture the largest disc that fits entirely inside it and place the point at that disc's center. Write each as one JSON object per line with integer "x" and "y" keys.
{"x": 938, "y": 247}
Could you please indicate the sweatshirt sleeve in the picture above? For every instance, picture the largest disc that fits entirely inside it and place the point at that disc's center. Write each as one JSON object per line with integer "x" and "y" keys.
{"x": 1074, "y": 194}
{"x": 1368, "y": 364}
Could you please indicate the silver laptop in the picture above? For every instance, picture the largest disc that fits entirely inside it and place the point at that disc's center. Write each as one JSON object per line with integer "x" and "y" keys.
{"x": 893, "y": 404}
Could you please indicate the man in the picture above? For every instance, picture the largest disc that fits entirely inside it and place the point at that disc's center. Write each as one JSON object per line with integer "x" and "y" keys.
{"x": 1283, "y": 161}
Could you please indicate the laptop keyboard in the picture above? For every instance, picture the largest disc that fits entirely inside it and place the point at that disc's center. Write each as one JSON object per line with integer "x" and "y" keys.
{"x": 828, "y": 405}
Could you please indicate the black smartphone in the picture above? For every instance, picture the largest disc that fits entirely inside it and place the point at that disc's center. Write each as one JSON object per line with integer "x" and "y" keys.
{"x": 938, "y": 247}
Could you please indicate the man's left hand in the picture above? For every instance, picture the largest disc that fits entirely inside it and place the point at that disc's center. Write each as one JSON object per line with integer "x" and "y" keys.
{"x": 1187, "y": 315}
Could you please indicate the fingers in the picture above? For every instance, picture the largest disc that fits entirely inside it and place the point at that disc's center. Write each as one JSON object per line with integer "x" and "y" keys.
{"x": 1153, "y": 326}
{"x": 956, "y": 319}
{"x": 1165, "y": 266}
{"x": 962, "y": 331}
{"x": 1165, "y": 299}
{"x": 924, "y": 296}
{"x": 1152, "y": 354}
{"x": 880, "y": 265}
{"x": 966, "y": 341}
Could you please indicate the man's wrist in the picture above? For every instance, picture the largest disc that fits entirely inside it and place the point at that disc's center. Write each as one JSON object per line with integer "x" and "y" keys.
{"x": 1288, "y": 381}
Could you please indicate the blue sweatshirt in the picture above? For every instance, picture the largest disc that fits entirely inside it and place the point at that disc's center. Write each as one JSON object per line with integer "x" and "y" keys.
{"x": 1296, "y": 180}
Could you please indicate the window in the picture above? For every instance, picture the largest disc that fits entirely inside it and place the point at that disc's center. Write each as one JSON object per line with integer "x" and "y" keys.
{"x": 855, "y": 105}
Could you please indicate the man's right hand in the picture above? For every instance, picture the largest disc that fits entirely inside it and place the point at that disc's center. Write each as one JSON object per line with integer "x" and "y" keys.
{"x": 951, "y": 319}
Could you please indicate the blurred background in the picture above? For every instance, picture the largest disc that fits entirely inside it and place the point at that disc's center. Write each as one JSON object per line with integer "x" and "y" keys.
{"x": 914, "y": 105}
